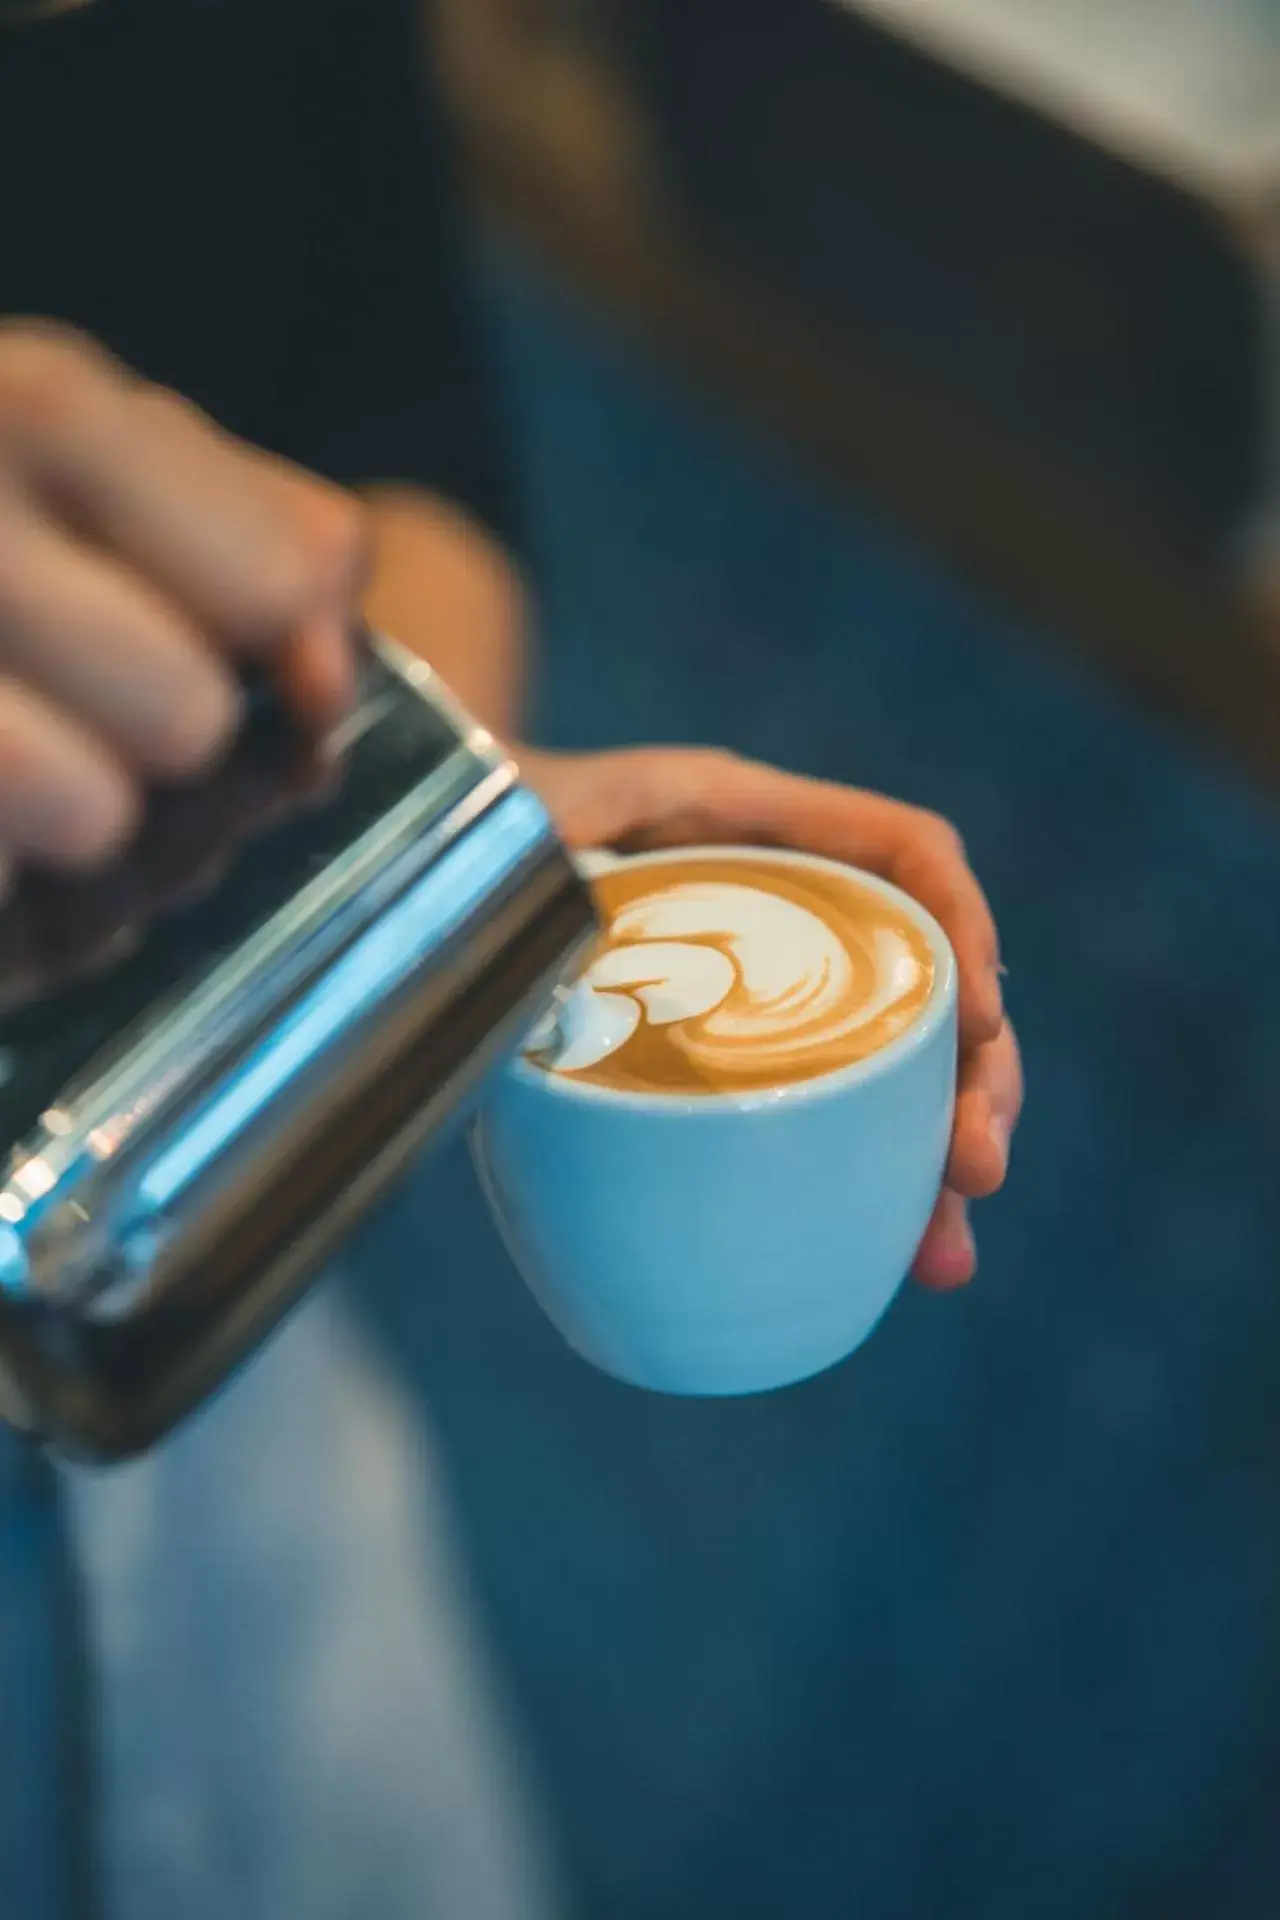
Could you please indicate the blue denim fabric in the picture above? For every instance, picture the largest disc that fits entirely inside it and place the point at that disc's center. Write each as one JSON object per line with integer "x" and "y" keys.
{"x": 36, "y": 1777}
{"x": 290, "y": 1711}
{"x": 294, "y": 1715}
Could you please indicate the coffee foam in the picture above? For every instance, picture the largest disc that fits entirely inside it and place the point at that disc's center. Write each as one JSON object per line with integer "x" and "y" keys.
{"x": 716, "y": 975}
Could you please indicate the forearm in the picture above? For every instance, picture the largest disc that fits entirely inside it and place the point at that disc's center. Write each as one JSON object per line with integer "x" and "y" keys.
{"x": 443, "y": 586}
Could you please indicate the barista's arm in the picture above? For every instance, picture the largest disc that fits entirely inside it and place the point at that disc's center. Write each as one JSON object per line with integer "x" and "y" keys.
{"x": 442, "y": 586}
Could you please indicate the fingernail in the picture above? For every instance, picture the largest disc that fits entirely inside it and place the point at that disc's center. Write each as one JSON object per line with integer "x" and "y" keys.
{"x": 998, "y": 1133}
{"x": 957, "y": 1250}
{"x": 959, "y": 1261}
{"x": 318, "y": 672}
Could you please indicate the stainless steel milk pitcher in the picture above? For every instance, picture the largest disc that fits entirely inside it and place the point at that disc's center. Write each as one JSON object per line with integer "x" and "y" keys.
{"x": 216, "y": 1057}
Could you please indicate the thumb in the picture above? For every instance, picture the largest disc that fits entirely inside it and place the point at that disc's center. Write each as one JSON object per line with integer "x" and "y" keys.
{"x": 592, "y": 798}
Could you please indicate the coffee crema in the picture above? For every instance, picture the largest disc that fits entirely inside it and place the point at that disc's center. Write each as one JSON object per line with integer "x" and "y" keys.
{"x": 718, "y": 976}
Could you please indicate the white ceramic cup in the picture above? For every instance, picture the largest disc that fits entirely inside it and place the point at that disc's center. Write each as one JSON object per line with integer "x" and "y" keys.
{"x": 726, "y": 1243}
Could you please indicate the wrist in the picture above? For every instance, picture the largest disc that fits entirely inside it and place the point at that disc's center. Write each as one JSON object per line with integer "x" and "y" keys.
{"x": 443, "y": 587}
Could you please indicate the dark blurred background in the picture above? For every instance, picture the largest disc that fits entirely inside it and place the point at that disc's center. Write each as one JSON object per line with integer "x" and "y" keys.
{"x": 893, "y": 391}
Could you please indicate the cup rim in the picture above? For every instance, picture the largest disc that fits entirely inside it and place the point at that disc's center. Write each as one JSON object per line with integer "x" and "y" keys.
{"x": 693, "y": 1106}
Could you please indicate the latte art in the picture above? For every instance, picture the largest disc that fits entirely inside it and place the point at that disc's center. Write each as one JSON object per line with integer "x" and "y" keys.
{"x": 716, "y": 975}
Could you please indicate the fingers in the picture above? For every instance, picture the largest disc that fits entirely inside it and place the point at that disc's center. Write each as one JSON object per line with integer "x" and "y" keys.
{"x": 987, "y": 1108}
{"x": 141, "y": 550}
{"x": 918, "y": 851}
{"x": 317, "y": 670}
{"x": 63, "y": 798}
{"x": 57, "y": 929}
{"x": 256, "y": 558}
{"x": 988, "y": 1102}
{"x": 106, "y": 649}
{"x": 947, "y": 1257}
{"x": 929, "y": 863}
{"x": 247, "y": 546}
{"x": 596, "y": 799}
